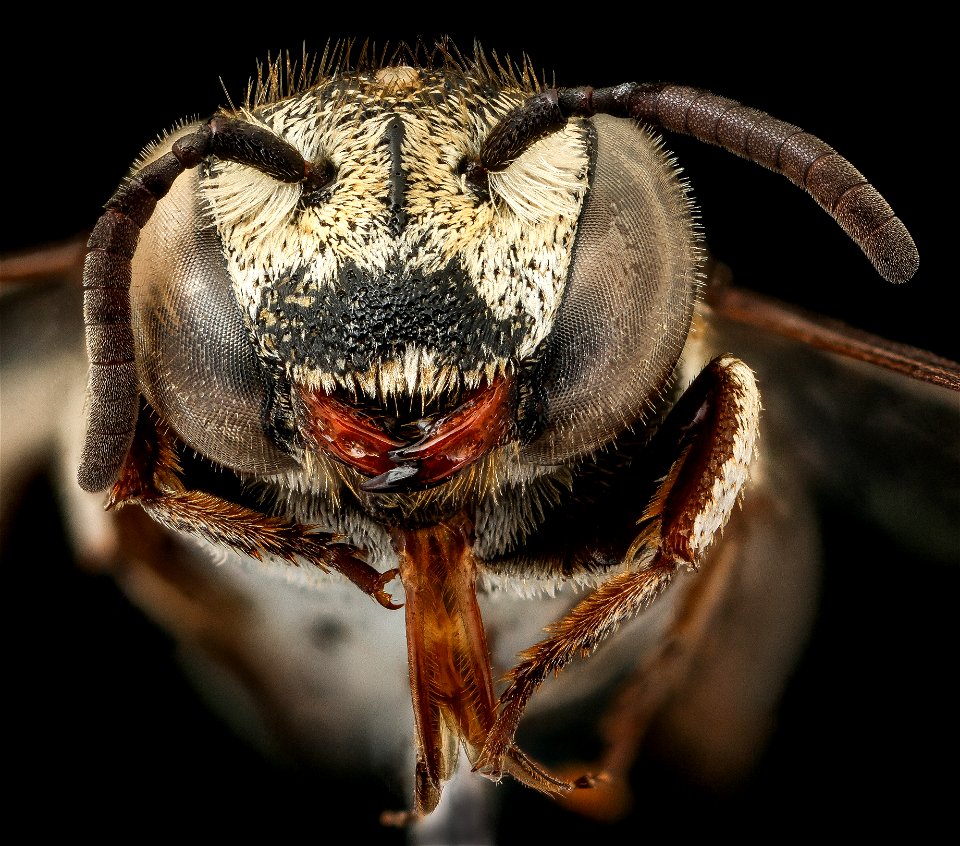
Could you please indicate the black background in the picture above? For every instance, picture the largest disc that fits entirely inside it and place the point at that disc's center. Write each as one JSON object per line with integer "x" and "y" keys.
{"x": 112, "y": 732}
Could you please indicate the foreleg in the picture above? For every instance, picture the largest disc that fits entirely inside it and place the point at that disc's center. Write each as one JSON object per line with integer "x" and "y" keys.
{"x": 710, "y": 436}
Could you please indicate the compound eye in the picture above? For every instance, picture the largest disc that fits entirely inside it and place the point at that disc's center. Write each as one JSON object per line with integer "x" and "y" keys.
{"x": 195, "y": 362}
{"x": 628, "y": 300}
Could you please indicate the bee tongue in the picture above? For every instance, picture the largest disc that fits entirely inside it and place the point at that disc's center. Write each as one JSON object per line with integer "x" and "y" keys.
{"x": 448, "y": 444}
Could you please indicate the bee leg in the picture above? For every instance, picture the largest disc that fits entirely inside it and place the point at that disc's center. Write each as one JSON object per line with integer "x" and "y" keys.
{"x": 711, "y": 434}
{"x": 708, "y": 691}
{"x": 150, "y": 477}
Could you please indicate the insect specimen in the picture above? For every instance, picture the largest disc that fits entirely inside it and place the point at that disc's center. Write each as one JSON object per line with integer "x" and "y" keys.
{"x": 429, "y": 328}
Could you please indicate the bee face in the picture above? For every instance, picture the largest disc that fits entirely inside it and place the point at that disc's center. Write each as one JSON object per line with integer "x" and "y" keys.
{"x": 396, "y": 278}
{"x": 555, "y": 298}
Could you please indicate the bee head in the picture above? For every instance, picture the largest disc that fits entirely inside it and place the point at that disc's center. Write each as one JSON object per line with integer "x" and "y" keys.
{"x": 404, "y": 315}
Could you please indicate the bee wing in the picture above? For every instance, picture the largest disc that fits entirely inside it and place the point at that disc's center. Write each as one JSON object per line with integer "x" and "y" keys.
{"x": 41, "y": 361}
{"x": 875, "y": 424}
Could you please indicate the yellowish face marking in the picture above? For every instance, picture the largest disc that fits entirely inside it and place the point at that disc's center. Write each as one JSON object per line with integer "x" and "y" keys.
{"x": 513, "y": 247}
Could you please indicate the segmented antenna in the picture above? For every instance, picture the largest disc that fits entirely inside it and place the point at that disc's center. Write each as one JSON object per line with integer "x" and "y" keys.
{"x": 113, "y": 390}
{"x": 804, "y": 159}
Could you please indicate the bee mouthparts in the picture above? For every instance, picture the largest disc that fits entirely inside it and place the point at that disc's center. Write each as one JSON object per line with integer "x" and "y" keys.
{"x": 447, "y": 444}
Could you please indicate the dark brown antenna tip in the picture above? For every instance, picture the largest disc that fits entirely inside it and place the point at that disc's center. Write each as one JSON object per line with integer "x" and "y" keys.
{"x": 892, "y": 251}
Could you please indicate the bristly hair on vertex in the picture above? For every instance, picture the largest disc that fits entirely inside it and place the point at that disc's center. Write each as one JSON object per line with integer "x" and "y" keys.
{"x": 284, "y": 76}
